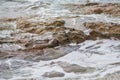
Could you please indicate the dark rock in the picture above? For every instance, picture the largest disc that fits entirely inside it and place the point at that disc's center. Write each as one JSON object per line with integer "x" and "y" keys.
{"x": 91, "y": 4}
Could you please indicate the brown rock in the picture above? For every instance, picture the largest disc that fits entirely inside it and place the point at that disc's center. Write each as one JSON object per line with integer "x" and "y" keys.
{"x": 94, "y": 35}
{"x": 91, "y": 4}
{"x": 8, "y": 40}
{"x": 103, "y": 30}
{"x": 61, "y": 34}
{"x": 21, "y": 24}
{"x": 97, "y": 10}
{"x": 61, "y": 37}
{"x": 112, "y": 9}
{"x": 57, "y": 23}
{"x": 4, "y": 55}
{"x": 76, "y": 36}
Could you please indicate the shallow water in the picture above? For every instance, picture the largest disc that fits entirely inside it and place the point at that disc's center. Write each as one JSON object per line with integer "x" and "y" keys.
{"x": 100, "y": 58}
{"x": 90, "y": 60}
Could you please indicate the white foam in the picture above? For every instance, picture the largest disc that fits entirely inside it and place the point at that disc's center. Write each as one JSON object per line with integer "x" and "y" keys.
{"x": 83, "y": 58}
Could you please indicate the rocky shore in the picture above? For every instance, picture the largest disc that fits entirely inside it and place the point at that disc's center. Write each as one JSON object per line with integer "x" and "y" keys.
{"x": 57, "y": 34}
{"x": 31, "y": 39}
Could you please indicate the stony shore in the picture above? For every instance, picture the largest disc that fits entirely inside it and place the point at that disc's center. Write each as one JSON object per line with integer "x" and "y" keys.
{"x": 31, "y": 39}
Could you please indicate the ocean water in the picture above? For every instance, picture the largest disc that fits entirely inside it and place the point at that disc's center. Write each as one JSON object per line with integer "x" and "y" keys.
{"x": 100, "y": 58}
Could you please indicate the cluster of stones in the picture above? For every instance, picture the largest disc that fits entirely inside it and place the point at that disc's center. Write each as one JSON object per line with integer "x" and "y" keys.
{"x": 60, "y": 34}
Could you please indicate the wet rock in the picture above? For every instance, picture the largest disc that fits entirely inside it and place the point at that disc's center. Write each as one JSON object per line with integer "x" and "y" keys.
{"x": 76, "y": 36}
{"x": 112, "y": 9}
{"x": 72, "y": 67}
{"x": 103, "y": 27}
{"x": 61, "y": 37}
{"x": 57, "y": 23}
{"x": 103, "y": 30}
{"x": 41, "y": 44}
{"x": 16, "y": 64}
{"x": 61, "y": 34}
{"x": 114, "y": 35}
{"x": 50, "y": 54}
{"x": 26, "y": 24}
{"x": 7, "y": 40}
{"x": 29, "y": 55}
{"x": 91, "y": 4}
{"x": 38, "y": 27}
{"x": 8, "y": 19}
{"x": 95, "y": 35}
{"x": 6, "y": 55}
{"x": 71, "y": 36}
{"x": 97, "y": 10}
{"x": 36, "y": 44}
{"x": 53, "y": 74}
{"x": 46, "y": 54}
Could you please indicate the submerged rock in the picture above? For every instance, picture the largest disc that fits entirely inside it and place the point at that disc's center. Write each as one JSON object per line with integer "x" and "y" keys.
{"x": 73, "y": 67}
{"x": 46, "y": 54}
{"x": 57, "y": 23}
{"x": 97, "y": 35}
{"x": 8, "y": 40}
{"x": 53, "y": 74}
{"x": 7, "y": 55}
{"x": 97, "y": 11}
{"x": 35, "y": 54}
{"x": 60, "y": 38}
{"x": 112, "y": 9}
{"x": 95, "y": 8}
{"x": 111, "y": 76}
